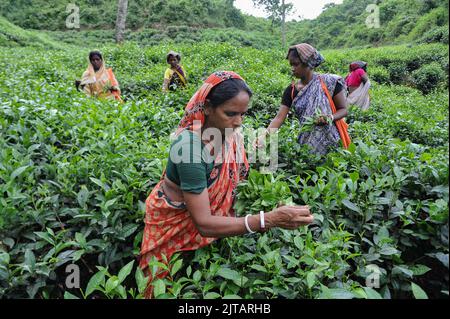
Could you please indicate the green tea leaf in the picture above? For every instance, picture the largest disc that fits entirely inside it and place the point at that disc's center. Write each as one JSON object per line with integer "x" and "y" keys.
{"x": 372, "y": 293}
{"x": 125, "y": 271}
{"x": 111, "y": 284}
{"x": 17, "y": 172}
{"x": 197, "y": 276}
{"x": 95, "y": 282}
{"x": 420, "y": 270}
{"x": 311, "y": 279}
{"x": 176, "y": 266}
{"x": 159, "y": 287}
{"x": 30, "y": 259}
{"x": 418, "y": 292}
{"x": 212, "y": 295}
{"x": 68, "y": 295}
{"x": 141, "y": 280}
{"x": 387, "y": 250}
{"x": 351, "y": 205}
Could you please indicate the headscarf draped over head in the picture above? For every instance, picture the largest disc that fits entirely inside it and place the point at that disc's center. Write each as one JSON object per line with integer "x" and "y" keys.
{"x": 174, "y": 54}
{"x": 195, "y": 109}
{"x": 90, "y": 75}
{"x": 95, "y": 82}
{"x": 308, "y": 54}
{"x": 358, "y": 65}
{"x": 170, "y": 228}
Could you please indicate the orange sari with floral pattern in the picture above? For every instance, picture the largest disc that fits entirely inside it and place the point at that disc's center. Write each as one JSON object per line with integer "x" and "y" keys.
{"x": 169, "y": 227}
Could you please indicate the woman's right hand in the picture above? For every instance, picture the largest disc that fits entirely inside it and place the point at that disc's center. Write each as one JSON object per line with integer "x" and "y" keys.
{"x": 289, "y": 217}
{"x": 260, "y": 141}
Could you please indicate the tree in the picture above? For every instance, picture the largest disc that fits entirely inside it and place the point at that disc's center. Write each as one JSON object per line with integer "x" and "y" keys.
{"x": 233, "y": 17}
{"x": 277, "y": 10}
{"x": 122, "y": 8}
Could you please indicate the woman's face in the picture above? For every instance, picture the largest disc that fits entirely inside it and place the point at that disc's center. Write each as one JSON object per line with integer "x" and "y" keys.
{"x": 299, "y": 70}
{"x": 229, "y": 114}
{"x": 96, "y": 62}
{"x": 173, "y": 61}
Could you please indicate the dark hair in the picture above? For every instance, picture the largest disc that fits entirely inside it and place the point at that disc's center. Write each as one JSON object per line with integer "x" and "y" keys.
{"x": 294, "y": 52}
{"x": 95, "y": 53}
{"x": 227, "y": 90}
{"x": 176, "y": 56}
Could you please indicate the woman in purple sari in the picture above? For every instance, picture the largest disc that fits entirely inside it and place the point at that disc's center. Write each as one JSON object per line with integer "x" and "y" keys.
{"x": 317, "y": 100}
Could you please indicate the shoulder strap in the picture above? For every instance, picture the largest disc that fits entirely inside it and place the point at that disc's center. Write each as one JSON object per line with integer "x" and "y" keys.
{"x": 112, "y": 78}
{"x": 330, "y": 100}
{"x": 340, "y": 124}
{"x": 181, "y": 77}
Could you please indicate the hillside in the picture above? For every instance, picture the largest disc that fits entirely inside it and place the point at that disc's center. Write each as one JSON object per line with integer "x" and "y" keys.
{"x": 401, "y": 21}
{"x": 14, "y": 36}
{"x": 151, "y": 22}
{"x": 101, "y": 14}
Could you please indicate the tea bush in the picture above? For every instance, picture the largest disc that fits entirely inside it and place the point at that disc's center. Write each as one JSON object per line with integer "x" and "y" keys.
{"x": 429, "y": 77}
{"x": 379, "y": 74}
{"x": 435, "y": 35}
{"x": 75, "y": 172}
{"x": 397, "y": 63}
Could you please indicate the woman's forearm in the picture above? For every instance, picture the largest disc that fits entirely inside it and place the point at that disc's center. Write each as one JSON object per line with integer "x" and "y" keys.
{"x": 276, "y": 123}
{"x": 165, "y": 86}
{"x": 279, "y": 118}
{"x": 217, "y": 226}
{"x": 341, "y": 113}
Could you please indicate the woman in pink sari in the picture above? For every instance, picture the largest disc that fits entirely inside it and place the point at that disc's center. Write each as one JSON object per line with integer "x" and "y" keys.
{"x": 358, "y": 85}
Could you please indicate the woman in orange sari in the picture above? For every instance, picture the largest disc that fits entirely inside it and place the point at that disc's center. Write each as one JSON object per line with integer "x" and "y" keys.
{"x": 192, "y": 205}
{"x": 98, "y": 81}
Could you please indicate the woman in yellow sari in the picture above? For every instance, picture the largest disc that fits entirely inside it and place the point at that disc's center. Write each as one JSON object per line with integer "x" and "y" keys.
{"x": 175, "y": 76}
{"x": 98, "y": 81}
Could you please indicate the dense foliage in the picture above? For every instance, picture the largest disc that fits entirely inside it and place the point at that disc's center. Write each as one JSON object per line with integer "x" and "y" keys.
{"x": 150, "y": 22}
{"x": 14, "y": 36}
{"x": 75, "y": 172}
{"x": 101, "y": 14}
{"x": 400, "y": 21}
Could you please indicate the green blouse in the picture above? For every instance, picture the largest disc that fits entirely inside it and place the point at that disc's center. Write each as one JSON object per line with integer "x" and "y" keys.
{"x": 189, "y": 166}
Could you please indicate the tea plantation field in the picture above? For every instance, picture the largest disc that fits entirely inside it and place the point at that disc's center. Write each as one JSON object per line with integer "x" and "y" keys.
{"x": 75, "y": 172}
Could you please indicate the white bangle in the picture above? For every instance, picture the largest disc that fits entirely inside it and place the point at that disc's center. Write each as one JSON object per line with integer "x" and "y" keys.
{"x": 332, "y": 117}
{"x": 247, "y": 226}
{"x": 261, "y": 220}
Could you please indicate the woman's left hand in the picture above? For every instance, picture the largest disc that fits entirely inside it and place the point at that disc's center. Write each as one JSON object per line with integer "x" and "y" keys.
{"x": 324, "y": 120}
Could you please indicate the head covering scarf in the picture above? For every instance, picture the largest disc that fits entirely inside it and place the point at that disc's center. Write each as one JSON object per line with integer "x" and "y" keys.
{"x": 169, "y": 227}
{"x": 176, "y": 74}
{"x": 195, "y": 109}
{"x": 96, "y": 83}
{"x": 358, "y": 65}
{"x": 174, "y": 54}
{"x": 308, "y": 54}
